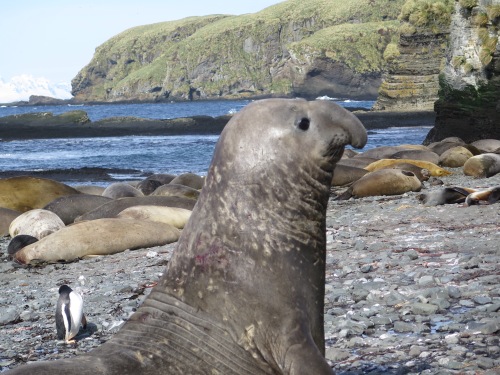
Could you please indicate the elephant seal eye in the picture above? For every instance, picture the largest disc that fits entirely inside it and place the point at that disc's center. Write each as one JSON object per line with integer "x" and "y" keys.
{"x": 304, "y": 123}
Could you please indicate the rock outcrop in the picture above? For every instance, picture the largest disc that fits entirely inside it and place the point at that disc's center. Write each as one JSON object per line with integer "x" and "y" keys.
{"x": 415, "y": 62}
{"x": 75, "y": 124}
{"x": 412, "y": 81}
{"x": 298, "y": 47}
{"x": 469, "y": 96}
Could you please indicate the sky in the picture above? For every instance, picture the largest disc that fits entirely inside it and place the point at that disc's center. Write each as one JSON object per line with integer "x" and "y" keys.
{"x": 54, "y": 39}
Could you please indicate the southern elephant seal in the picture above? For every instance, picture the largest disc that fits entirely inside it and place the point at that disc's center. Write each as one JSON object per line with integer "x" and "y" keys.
{"x": 357, "y": 161}
{"x": 433, "y": 169}
{"x": 487, "y": 145}
{"x": 69, "y": 207}
{"x": 454, "y": 157}
{"x": 6, "y": 217}
{"x": 382, "y": 152}
{"x": 18, "y": 242}
{"x": 121, "y": 190}
{"x": 25, "y": 193}
{"x": 147, "y": 186}
{"x": 345, "y": 174}
{"x": 445, "y": 144}
{"x": 90, "y": 189}
{"x": 244, "y": 291}
{"x": 113, "y": 208}
{"x": 189, "y": 179}
{"x": 425, "y": 155}
{"x": 383, "y": 182}
{"x": 38, "y": 223}
{"x": 175, "y": 216}
{"x": 421, "y": 173}
{"x": 96, "y": 237}
{"x": 482, "y": 166}
{"x": 177, "y": 190}
{"x": 164, "y": 178}
{"x": 151, "y": 183}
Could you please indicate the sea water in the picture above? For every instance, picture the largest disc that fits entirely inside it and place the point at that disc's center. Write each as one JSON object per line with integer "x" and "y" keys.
{"x": 147, "y": 154}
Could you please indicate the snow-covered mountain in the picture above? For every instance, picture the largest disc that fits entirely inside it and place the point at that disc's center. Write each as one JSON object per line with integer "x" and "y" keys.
{"x": 23, "y": 86}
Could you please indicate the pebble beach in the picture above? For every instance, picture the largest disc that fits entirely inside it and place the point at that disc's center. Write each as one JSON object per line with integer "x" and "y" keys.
{"x": 410, "y": 289}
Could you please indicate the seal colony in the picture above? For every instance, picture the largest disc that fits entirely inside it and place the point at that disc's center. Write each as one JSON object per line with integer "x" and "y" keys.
{"x": 244, "y": 290}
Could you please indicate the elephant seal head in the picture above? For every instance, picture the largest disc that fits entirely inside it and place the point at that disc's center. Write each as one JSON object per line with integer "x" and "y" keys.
{"x": 244, "y": 290}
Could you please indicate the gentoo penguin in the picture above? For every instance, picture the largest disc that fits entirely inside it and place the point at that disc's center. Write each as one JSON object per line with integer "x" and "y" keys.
{"x": 69, "y": 314}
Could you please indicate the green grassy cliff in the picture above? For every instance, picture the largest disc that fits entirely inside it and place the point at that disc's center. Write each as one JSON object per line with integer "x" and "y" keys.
{"x": 297, "y": 47}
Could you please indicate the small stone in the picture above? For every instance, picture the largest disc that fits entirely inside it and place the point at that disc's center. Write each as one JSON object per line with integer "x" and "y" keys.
{"x": 402, "y": 327}
{"x": 381, "y": 320}
{"x": 493, "y": 307}
{"x": 454, "y": 292}
{"x": 336, "y": 355}
{"x": 481, "y": 299}
{"x": 449, "y": 363}
{"x": 8, "y": 316}
{"x": 359, "y": 246}
{"x": 423, "y": 308}
{"x": 490, "y": 327}
{"x": 441, "y": 303}
{"x": 415, "y": 350}
{"x": 485, "y": 363}
{"x": 466, "y": 303}
{"x": 426, "y": 280}
{"x": 366, "y": 268}
{"x": 356, "y": 342}
{"x": 412, "y": 254}
{"x": 424, "y": 355}
{"x": 472, "y": 263}
{"x": 452, "y": 339}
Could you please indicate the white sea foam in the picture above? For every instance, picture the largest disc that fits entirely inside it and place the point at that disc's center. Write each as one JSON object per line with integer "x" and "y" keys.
{"x": 326, "y": 97}
{"x": 20, "y": 88}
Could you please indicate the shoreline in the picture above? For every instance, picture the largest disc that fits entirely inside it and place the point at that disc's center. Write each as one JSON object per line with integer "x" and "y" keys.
{"x": 409, "y": 289}
{"x": 34, "y": 126}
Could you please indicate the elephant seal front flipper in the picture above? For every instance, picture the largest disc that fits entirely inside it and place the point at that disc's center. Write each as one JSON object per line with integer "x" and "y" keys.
{"x": 244, "y": 290}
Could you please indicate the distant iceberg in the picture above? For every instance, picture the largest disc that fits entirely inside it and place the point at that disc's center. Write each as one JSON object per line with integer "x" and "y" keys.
{"x": 21, "y": 87}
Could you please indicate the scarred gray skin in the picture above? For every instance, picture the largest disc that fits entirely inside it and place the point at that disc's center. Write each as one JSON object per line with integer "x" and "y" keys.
{"x": 244, "y": 290}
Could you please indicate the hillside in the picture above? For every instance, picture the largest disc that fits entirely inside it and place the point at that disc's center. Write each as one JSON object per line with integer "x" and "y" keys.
{"x": 298, "y": 47}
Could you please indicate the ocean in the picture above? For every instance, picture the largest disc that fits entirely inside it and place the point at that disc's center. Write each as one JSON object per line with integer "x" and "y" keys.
{"x": 131, "y": 157}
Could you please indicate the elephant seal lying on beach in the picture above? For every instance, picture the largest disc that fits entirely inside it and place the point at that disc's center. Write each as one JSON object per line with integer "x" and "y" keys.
{"x": 24, "y": 193}
{"x": 244, "y": 290}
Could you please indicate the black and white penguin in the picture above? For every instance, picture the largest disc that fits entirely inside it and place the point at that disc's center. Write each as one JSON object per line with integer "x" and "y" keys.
{"x": 69, "y": 314}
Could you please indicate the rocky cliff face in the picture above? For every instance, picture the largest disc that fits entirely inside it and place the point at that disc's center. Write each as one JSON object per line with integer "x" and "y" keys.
{"x": 469, "y": 96}
{"x": 412, "y": 80}
{"x": 299, "y": 47}
{"x": 414, "y": 63}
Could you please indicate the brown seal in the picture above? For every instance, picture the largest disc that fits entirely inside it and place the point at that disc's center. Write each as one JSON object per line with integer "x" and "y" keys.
{"x": 69, "y": 207}
{"x": 121, "y": 190}
{"x": 482, "y": 166}
{"x": 244, "y": 290}
{"x": 114, "y": 207}
{"x": 383, "y": 182}
{"x": 24, "y": 193}
{"x": 96, "y": 237}
{"x": 454, "y": 157}
{"x": 6, "y": 217}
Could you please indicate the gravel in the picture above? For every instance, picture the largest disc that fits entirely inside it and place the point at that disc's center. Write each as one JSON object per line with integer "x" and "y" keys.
{"x": 410, "y": 289}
